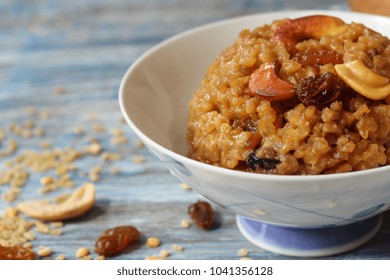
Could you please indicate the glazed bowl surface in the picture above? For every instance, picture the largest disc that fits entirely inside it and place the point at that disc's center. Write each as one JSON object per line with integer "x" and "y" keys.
{"x": 154, "y": 96}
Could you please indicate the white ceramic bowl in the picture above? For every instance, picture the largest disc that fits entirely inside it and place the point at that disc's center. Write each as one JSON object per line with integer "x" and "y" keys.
{"x": 154, "y": 96}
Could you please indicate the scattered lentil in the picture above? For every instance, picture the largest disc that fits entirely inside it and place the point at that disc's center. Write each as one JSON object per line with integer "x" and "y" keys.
{"x": 56, "y": 232}
{"x": 115, "y": 170}
{"x": 107, "y": 156}
{"x": 94, "y": 148}
{"x": 44, "y": 251}
{"x": 155, "y": 258}
{"x": 139, "y": 144}
{"x": 153, "y": 242}
{"x": 46, "y": 180}
{"x": 59, "y": 90}
{"x": 118, "y": 137}
{"x": 60, "y": 257}
{"x": 94, "y": 173}
{"x": 185, "y": 223}
{"x": 56, "y": 224}
{"x": 138, "y": 159}
{"x": 44, "y": 115}
{"x": 243, "y": 252}
{"x": 31, "y": 111}
{"x": 98, "y": 128}
{"x": 14, "y": 230}
{"x": 177, "y": 248}
{"x": 164, "y": 253}
{"x": 78, "y": 130}
{"x": 82, "y": 252}
{"x": 185, "y": 187}
{"x": 45, "y": 144}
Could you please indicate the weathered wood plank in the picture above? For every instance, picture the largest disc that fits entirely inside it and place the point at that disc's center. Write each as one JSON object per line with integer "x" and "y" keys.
{"x": 85, "y": 47}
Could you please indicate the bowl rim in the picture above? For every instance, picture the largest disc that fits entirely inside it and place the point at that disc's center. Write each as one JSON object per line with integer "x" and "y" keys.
{"x": 221, "y": 170}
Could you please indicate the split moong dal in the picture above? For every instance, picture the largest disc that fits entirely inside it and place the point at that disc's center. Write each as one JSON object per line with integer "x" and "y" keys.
{"x": 299, "y": 96}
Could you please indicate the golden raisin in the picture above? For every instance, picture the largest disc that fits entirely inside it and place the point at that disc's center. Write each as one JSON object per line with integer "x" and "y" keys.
{"x": 316, "y": 59}
{"x": 202, "y": 214}
{"x": 320, "y": 90}
{"x": 115, "y": 240}
{"x": 16, "y": 253}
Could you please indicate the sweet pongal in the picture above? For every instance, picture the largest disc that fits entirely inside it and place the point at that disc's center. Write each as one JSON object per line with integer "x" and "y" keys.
{"x": 299, "y": 96}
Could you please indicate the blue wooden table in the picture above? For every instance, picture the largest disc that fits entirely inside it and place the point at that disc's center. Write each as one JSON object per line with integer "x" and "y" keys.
{"x": 61, "y": 63}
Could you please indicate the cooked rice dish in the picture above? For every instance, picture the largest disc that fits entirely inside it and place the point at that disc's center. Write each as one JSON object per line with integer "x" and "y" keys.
{"x": 298, "y": 96}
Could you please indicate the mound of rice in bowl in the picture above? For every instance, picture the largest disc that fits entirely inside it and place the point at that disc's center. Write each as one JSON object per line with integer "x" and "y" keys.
{"x": 299, "y": 96}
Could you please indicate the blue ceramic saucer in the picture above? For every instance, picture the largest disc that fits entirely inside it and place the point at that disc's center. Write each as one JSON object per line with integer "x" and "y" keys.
{"x": 309, "y": 242}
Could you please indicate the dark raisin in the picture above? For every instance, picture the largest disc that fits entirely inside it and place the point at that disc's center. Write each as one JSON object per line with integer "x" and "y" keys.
{"x": 16, "y": 253}
{"x": 115, "y": 240}
{"x": 202, "y": 214}
{"x": 320, "y": 90}
{"x": 255, "y": 162}
{"x": 318, "y": 58}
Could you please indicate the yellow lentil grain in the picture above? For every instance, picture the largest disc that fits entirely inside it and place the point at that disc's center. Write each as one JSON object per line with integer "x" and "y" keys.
{"x": 44, "y": 115}
{"x": 29, "y": 235}
{"x": 46, "y": 180}
{"x": 78, "y": 130}
{"x": 27, "y": 245}
{"x": 177, "y": 248}
{"x": 56, "y": 224}
{"x": 82, "y": 252}
{"x": 155, "y": 258}
{"x": 44, "y": 251}
{"x": 111, "y": 156}
{"x": 56, "y": 232}
{"x": 185, "y": 187}
{"x": 38, "y": 132}
{"x": 164, "y": 253}
{"x": 97, "y": 127}
{"x": 185, "y": 223}
{"x": 115, "y": 170}
{"x": 243, "y": 252}
{"x": 139, "y": 144}
{"x": 93, "y": 148}
{"x": 31, "y": 111}
{"x": 138, "y": 159}
{"x": 153, "y": 242}
{"x": 41, "y": 227}
{"x": 59, "y": 90}
{"x": 60, "y": 257}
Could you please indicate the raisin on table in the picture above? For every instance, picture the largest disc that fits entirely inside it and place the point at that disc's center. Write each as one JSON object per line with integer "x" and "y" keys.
{"x": 16, "y": 253}
{"x": 202, "y": 214}
{"x": 115, "y": 240}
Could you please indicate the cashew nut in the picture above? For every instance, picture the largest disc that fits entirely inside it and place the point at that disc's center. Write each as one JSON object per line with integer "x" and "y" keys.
{"x": 265, "y": 82}
{"x": 363, "y": 80}
{"x": 316, "y": 26}
{"x": 80, "y": 201}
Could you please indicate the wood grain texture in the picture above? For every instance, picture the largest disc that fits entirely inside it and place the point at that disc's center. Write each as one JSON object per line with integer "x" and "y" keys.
{"x": 85, "y": 47}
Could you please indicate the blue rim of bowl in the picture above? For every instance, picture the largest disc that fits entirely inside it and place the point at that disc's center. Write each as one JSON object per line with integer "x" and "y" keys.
{"x": 221, "y": 170}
